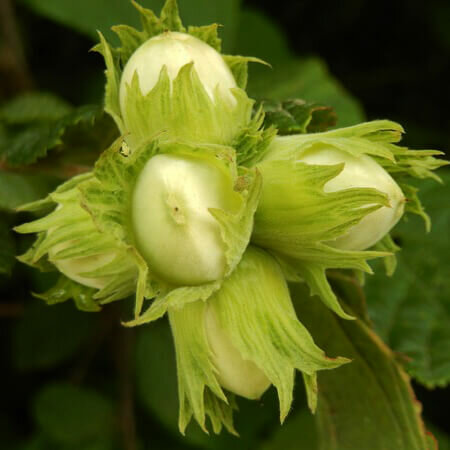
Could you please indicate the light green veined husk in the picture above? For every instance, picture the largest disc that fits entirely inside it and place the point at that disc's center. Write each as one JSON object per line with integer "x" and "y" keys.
{"x": 297, "y": 219}
{"x": 108, "y": 198}
{"x": 96, "y": 268}
{"x": 180, "y": 107}
{"x": 253, "y": 308}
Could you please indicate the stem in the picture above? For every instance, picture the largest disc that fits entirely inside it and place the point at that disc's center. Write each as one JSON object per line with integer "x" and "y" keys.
{"x": 11, "y": 310}
{"x": 12, "y": 56}
{"x": 124, "y": 354}
{"x": 105, "y": 325}
{"x": 63, "y": 171}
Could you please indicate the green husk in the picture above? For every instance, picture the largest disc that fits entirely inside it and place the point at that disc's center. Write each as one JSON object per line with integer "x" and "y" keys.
{"x": 253, "y": 307}
{"x": 107, "y": 197}
{"x": 68, "y": 232}
{"x": 163, "y": 109}
{"x": 295, "y": 220}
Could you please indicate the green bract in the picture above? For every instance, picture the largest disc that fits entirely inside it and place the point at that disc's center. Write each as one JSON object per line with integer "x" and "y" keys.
{"x": 169, "y": 210}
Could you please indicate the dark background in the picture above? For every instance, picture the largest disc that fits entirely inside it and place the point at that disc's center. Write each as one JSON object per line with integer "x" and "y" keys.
{"x": 394, "y": 56}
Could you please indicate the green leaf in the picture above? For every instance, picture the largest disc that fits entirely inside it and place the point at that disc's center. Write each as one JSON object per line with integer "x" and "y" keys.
{"x": 18, "y": 189}
{"x": 32, "y": 143}
{"x": 224, "y": 12}
{"x": 73, "y": 415}
{"x": 298, "y": 116}
{"x": 87, "y": 17}
{"x": 34, "y": 107}
{"x": 38, "y": 442}
{"x": 368, "y": 403}
{"x": 262, "y": 38}
{"x": 374, "y": 138}
{"x": 7, "y": 248}
{"x": 43, "y": 442}
{"x": 412, "y": 310}
{"x": 297, "y": 433}
{"x": 442, "y": 437}
{"x": 208, "y": 34}
{"x": 26, "y": 144}
{"x": 291, "y": 77}
{"x": 48, "y": 336}
{"x": 310, "y": 80}
{"x": 155, "y": 360}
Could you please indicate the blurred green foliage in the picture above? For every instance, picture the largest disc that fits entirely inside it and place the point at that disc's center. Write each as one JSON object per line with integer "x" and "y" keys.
{"x": 411, "y": 311}
{"x": 75, "y": 380}
{"x": 47, "y": 337}
{"x": 367, "y": 402}
{"x": 88, "y": 420}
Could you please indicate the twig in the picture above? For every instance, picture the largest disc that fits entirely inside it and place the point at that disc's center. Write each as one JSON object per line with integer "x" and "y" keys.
{"x": 12, "y": 55}
{"x": 124, "y": 353}
{"x": 348, "y": 279}
{"x": 103, "y": 330}
{"x": 122, "y": 343}
{"x": 44, "y": 168}
{"x": 11, "y": 310}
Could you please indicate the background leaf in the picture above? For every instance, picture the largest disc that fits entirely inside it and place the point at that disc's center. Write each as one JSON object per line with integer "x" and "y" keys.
{"x": 18, "y": 189}
{"x": 291, "y": 76}
{"x": 71, "y": 414}
{"x": 87, "y": 16}
{"x": 48, "y": 336}
{"x": 310, "y": 80}
{"x": 26, "y": 144}
{"x": 259, "y": 36}
{"x": 297, "y": 433}
{"x": 7, "y": 248}
{"x": 411, "y": 311}
{"x": 368, "y": 403}
{"x": 32, "y": 107}
{"x": 297, "y": 116}
{"x": 442, "y": 437}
